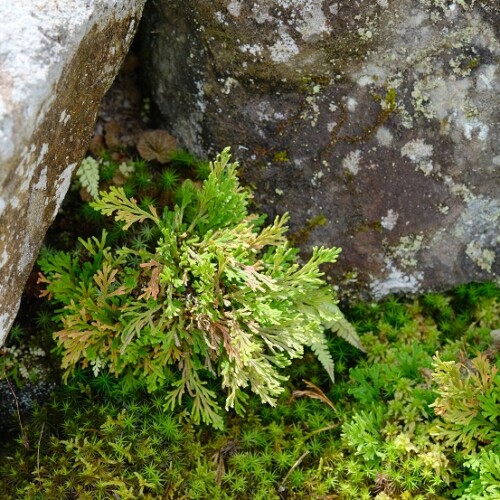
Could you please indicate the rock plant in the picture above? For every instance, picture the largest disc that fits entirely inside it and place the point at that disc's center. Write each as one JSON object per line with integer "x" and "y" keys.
{"x": 207, "y": 297}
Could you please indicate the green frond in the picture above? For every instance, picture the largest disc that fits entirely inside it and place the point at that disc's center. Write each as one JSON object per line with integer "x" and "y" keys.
{"x": 88, "y": 175}
{"x": 345, "y": 330}
{"x": 320, "y": 349}
{"x": 205, "y": 289}
{"x": 125, "y": 209}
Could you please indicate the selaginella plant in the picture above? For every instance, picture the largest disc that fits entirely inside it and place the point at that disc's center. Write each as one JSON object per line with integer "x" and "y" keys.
{"x": 469, "y": 403}
{"x": 216, "y": 296}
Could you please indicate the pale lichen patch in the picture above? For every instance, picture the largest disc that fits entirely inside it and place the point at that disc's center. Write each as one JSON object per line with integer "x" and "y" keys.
{"x": 283, "y": 49}
{"x": 234, "y": 8}
{"x": 443, "y": 209}
{"x": 5, "y": 322}
{"x": 260, "y": 13}
{"x": 406, "y": 251}
{"x": 419, "y": 152}
{"x": 351, "y": 104}
{"x": 389, "y": 221}
{"x": 484, "y": 258}
{"x": 334, "y": 8}
{"x": 421, "y": 100}
{"x": 331, "y": 126}
{"x": 254, "y": 50}
{"x": 447, "y": 96}
{"x": 316, "y": 178}
{"x": 28, "y": 166}
{"x": 370, "y": 74}
{"x": 396, "y": 282}
{"x": 309, "y": 19}
{"x": 426, "y": 167}
{"x": 457, "y": 189}
{"x": 351, "y": 161}
{"x": 4, "y": 258}
{"x": 384, "y": 136}
{"x": 64, "y": 118}
{"x": 27, "y": 249}
{"x": 62, "y": 185}
{"x": 475, "y": 128}
{"x": 312, "y": 111}
{"x": 229, "y": 84}
{"x": 487, "y": 80}
{"x": 221, "y": 18}
{"x": 42, "y": 181}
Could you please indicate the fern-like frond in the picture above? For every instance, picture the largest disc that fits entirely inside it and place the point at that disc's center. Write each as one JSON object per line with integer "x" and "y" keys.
{"x": 344, "y": 329}
{"x": 218, "y": 295}
{"x": 88, "y": 175}
{"x": 319, "y": 347}
{"x": 126, "y": 209}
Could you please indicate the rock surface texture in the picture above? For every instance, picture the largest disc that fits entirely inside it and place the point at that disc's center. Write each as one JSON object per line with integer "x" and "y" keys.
{"x": 375, "y": 123}
{"x": 57, "y": 59}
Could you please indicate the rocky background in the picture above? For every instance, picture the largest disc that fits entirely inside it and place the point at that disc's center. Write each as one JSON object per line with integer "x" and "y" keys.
{"x": 374, "y": 123}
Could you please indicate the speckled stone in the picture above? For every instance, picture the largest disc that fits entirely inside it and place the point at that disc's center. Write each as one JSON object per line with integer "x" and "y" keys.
{"x": 380, "y": 119}
{"x": 57, "y": 59}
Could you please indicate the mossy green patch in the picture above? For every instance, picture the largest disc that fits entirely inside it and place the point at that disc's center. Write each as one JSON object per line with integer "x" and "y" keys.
{"x": 396, "y": 424}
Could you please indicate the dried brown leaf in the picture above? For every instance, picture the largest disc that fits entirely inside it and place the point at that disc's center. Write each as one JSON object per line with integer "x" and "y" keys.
{"x": 156, "y": 145}
{"x": 153, "y": 288}
{"x": 314, "y": 392}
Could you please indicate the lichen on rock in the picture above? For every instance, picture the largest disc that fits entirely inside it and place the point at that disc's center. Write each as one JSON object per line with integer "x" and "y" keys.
{"x": 386, "y": 110}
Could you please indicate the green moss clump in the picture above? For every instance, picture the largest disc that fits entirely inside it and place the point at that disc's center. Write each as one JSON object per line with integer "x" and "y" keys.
{"x": 281, "y": 157}
{"x": 301, "y": 236}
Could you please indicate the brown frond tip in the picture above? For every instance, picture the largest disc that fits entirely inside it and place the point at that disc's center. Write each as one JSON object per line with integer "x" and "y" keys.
{"x": 314, "y": 392}
{"x": 153, "y": 287}
{"x": 156, "y": 145}
{"x": 43, "y": 281}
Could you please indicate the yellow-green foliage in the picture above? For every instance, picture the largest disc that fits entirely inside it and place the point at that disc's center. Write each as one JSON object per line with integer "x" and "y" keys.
{"x": 468, "y": 401}
{"x": 88, "y": 175}
{"x": 216, "y": 295}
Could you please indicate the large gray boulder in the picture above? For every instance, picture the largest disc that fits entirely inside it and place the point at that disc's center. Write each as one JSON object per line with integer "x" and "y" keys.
{"x": 374, "y": 122}
{"x": 57, "y": 59}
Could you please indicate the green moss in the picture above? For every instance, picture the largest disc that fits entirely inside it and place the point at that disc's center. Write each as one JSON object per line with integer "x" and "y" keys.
{"x": 473, "y": 63}
{"x": 390, "y": 100}
{"x": 301, "y": 236}
{"x": 281, "y": 157}
{"x": 370, "y": 226}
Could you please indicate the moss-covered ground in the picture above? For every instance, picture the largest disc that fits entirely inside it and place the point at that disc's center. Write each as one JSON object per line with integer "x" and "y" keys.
{"x": 375, "y": 433}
